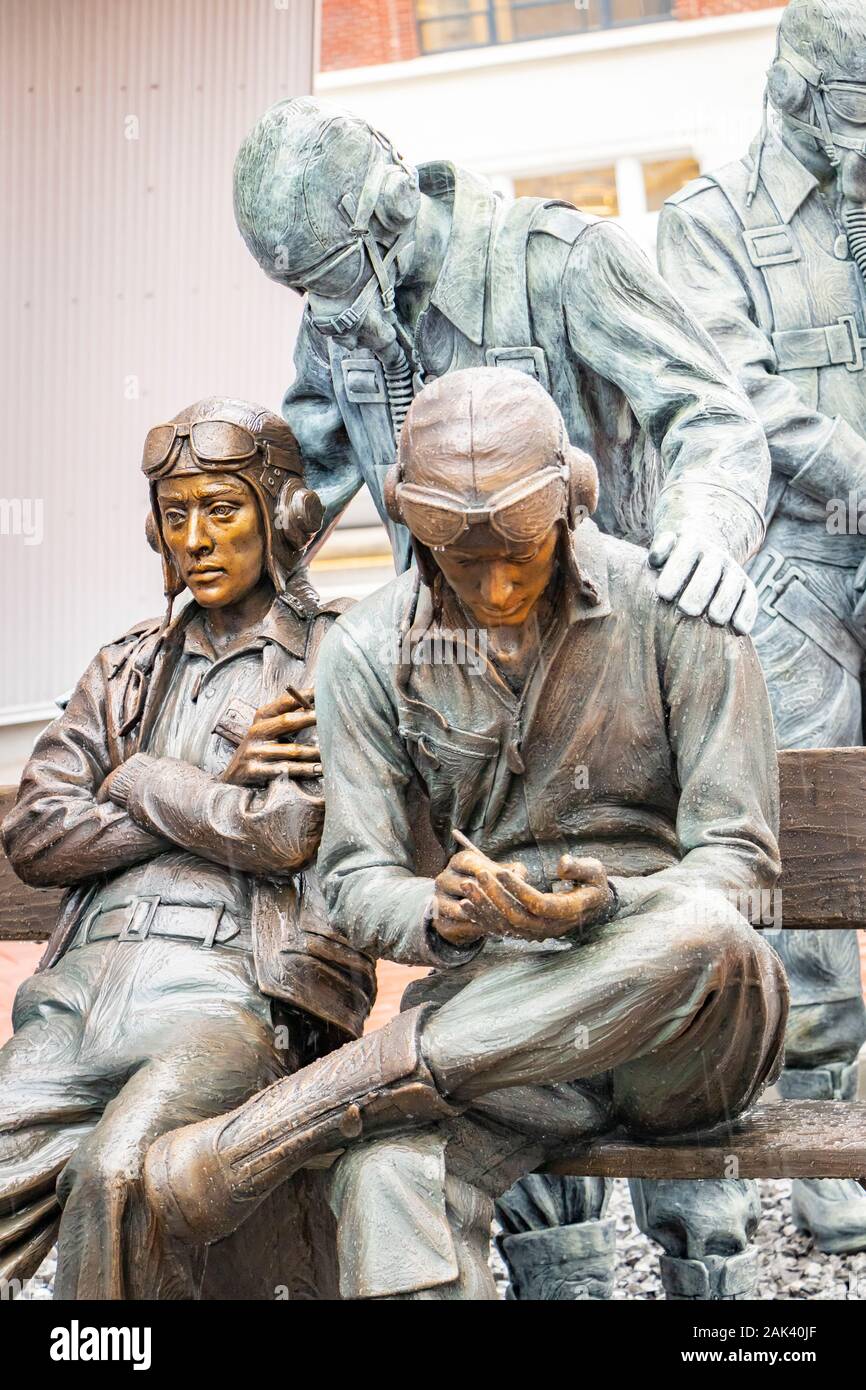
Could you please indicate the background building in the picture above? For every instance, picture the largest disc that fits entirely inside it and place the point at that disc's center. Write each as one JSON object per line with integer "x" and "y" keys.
{"x": 125, "y": 294}
{"x": 609, "y": 104}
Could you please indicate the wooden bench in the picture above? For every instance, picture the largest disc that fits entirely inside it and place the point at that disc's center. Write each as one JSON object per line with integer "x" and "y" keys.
{"x": 823, "y": 886}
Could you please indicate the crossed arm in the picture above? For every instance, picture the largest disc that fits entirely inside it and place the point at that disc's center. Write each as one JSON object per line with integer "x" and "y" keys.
{"x": 79, "y": 814}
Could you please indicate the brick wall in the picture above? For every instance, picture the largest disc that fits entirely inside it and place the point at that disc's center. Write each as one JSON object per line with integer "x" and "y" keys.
{"x": 357, "y": 33}
{"x": 701, "y": 9}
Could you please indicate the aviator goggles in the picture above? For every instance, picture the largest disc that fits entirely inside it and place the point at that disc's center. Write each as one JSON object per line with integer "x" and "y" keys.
{"x": 218, "y": 445}
{"x": 524, "y": 511}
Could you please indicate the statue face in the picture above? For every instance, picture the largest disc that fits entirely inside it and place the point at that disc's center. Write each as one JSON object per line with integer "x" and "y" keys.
{"x": 498, "y": 581}
{"x": 213, "y": 529}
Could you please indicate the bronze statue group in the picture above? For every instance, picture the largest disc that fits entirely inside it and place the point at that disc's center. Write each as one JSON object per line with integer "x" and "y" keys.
{"x": 597, "y": 481}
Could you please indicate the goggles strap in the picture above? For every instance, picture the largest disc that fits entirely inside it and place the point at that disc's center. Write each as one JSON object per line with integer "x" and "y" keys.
{"x": 380, "y": 269}
{"x": 370, "y": 190}
{"x": 814, "y": 76}
{"x": 827, "y": 137}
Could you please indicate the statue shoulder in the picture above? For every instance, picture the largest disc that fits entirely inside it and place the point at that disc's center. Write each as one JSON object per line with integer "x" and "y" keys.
{"x": 135, "y": 635}
{"x": 561, "y": 220}
{"x": 120, "y": 650}
{"x": 336, "y": 606}
{"x": 691, "y": 190}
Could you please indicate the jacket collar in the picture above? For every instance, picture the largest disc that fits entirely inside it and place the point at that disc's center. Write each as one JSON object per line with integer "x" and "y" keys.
{"x": 787, "y": 181}
{"x": 459, "y": 291}
{"x": 587, "y": 593}
{"x": 281, "y": 625}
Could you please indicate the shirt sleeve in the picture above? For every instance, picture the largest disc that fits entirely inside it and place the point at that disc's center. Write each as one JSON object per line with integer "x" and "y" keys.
{"x": 821, "y": 455}
{"x": 722, "y": 741}
{"x": 366, "y": 860}
{"x": 274, "y": 830}
{"x": 310, "y": 408}
{"x": 57, "y": 834}
{"x": 627, "y": 325}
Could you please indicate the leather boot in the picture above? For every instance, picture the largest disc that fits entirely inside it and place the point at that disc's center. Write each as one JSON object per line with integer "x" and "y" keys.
{"x": 831, "y": 1210}
{"x": 714, "y": 1277}
{"x": 204, "y": 1180}
{"x": 565, "y": 1265}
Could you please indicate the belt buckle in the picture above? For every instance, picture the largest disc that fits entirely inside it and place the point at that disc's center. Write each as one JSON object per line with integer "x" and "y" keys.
{"x": 777, "y": 586}
{"x": 132, "y": 931}
{"x": 848, "y": 321}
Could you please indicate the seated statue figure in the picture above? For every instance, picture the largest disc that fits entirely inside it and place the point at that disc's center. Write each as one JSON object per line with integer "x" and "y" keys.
{"x": 178, "y": 800}
{"x": 599, "y": 770}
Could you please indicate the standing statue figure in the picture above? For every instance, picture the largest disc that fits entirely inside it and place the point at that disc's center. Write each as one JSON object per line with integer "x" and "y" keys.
{"x": 524, "y": 681}
{"x": 769, "y": 253}
{"x": 412, "y": 273}
{"x": 177, "y": 798}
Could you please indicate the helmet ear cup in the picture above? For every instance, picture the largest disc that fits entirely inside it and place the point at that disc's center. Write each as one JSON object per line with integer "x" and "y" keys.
{"x": 787, "y": 89}
{"x": 399, "y": 199}
{"x": 389, "y": 493}
{"x": 172, "y": 581}
{"x": 299, "y": 514}
{"x": 582, "y": 485}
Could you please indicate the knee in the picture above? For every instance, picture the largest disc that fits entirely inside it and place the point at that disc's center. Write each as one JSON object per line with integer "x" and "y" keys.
{"x": 708, "y": 931}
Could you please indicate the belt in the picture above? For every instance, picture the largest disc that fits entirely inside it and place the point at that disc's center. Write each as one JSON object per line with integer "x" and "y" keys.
{"x": 835, "y": 345}
{"x": 787, "y": 596}
{"x": 146, "y": 916}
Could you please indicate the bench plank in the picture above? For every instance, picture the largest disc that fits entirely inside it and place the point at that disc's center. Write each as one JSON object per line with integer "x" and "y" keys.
{"x": 784, "y": 1139}
{"x": 823, "y": 837}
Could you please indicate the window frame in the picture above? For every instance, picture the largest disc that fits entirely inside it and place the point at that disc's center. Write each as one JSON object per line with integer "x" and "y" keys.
{"x": 487, "y": 11}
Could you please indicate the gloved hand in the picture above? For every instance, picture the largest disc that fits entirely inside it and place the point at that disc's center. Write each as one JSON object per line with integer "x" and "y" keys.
{"x": 701, "y": 577}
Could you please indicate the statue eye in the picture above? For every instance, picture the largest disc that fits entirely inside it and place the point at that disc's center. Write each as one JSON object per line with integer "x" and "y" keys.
{"x": 223, "y": 510}
{"x": 174, "y": 517}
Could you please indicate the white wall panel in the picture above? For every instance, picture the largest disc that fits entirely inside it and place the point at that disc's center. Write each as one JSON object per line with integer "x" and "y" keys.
{"x": 125, "y": 289}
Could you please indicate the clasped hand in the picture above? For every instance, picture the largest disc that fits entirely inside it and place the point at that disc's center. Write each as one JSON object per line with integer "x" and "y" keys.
{"x": 476, "y": 897}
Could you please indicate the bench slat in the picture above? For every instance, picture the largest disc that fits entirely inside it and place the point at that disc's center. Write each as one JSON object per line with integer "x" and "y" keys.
{"x": 784, "y": 1139}
{"x": 823, "y": 837}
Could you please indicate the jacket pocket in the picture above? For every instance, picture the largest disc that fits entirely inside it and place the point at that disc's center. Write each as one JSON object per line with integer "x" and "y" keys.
{"x": 456, "y": 766}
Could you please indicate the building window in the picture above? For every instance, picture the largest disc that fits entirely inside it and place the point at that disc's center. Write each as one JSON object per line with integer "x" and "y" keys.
{"x": 629, "y": 187}
{"x": 448, "y": 24}
{"x": 664, "y": 177}
{"x": 591, "y": 190}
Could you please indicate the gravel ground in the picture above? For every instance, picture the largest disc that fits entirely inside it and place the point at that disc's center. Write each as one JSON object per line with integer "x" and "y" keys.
{"x": 790, "y": 1268}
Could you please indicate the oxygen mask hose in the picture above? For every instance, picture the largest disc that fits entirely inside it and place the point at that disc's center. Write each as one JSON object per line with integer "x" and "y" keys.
{"x": 855, "y": 226}
{"x": 398, "y": 384}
